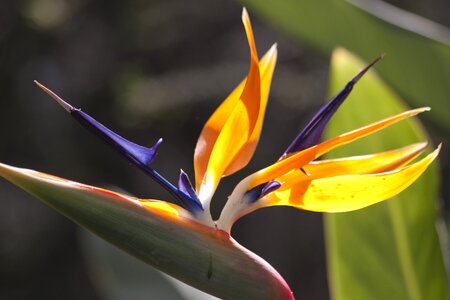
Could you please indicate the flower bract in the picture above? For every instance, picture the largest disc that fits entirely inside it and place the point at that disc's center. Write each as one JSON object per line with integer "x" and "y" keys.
{"x": 226, "y": 144}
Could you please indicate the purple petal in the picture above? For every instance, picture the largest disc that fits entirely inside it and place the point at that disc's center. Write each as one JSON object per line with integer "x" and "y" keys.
{"x": 312, "y": 132}
{"x": 139, "y": 155}
{"x": 185, "y": 186}
{"x": 270, "y": 187}
{"x": 261, "y": 190}
{"x": 132, "y": 151}
{"x": 142, "y": 157}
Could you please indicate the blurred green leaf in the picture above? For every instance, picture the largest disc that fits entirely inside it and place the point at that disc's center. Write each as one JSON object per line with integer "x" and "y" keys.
{"x": 390, "y": 250}
{"x": 204, "y": 257}
{"x": 419, "y": 67}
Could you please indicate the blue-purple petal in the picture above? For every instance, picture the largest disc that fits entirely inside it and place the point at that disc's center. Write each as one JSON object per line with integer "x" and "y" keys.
{"x": 312, "y": 132}
{"x": 139, "y": 155}
{"x": 185, "y": 186}
{"x": 270, "y": 187}
{"x": 261, "y": 190}
{"x": 132, "y": 151}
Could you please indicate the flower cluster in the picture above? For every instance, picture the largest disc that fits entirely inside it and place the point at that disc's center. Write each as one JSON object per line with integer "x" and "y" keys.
{"x": 228, "y": 141}
{"x": 182, "y": 239}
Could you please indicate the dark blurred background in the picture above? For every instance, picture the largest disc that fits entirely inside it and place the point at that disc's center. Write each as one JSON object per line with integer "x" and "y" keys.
{"x": 146, "y": 69}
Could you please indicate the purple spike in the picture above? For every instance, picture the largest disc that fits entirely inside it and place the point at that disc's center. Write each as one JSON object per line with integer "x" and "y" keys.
{"x": 139, "y": 155}
{"x": 136, "y": 153}
{"x": 154, "y": 150}
{"x": 185, "y": 186}
{"x": 261, "y": 190}
{"x": 270, "y": 187}
{"x": 312, "y": 132}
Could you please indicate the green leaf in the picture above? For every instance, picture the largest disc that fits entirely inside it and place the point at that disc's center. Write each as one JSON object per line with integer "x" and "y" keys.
{"x": 117, "y": 275}
{"x": 419, "y": 65}
{"x": 204, "y": 257}
{"x": 390, "y": 250}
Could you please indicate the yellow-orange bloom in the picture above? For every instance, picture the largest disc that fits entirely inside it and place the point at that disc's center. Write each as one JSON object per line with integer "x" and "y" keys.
{"x": 228, "y": 141}
{"x": 229, "y": 138}
{"x": 183, "y": 239}
{"x": 335, "y": 185}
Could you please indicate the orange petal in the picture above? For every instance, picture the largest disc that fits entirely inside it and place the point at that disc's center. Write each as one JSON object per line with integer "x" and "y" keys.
{"x": 162, "y": 206}
{"x": 301, "y": 158}
{"x": 364, "y": 164}
{"x": 266, "y": 66}
{"x": 229, "y": 137}
{"x": 349, "y": 192}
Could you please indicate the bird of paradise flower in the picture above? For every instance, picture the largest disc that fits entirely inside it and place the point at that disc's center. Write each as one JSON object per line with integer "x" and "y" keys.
{"x": 182, "y": 239}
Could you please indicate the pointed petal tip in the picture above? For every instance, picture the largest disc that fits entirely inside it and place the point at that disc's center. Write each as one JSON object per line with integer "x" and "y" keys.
{"x": 67, "y": 107}
{"x": 432, "y": 156}
{"x": 420, "y": 146}
{"x": 244, "y": 14}
{"x": 273, "y": 51}
{"x": 245, "y": 17}
{"x": 249, "y": 33}
{"x": 364, "y": 71}
{"x": 419, "y": 110}
{"x": 157, "y": 144}
{"x": 416, "y": 147}
{"x": 438, "y": 149}
{"x": 312, "y": 132}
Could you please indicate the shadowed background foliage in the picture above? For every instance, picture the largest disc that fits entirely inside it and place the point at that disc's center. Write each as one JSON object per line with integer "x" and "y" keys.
{"x": 147, "y": 69}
